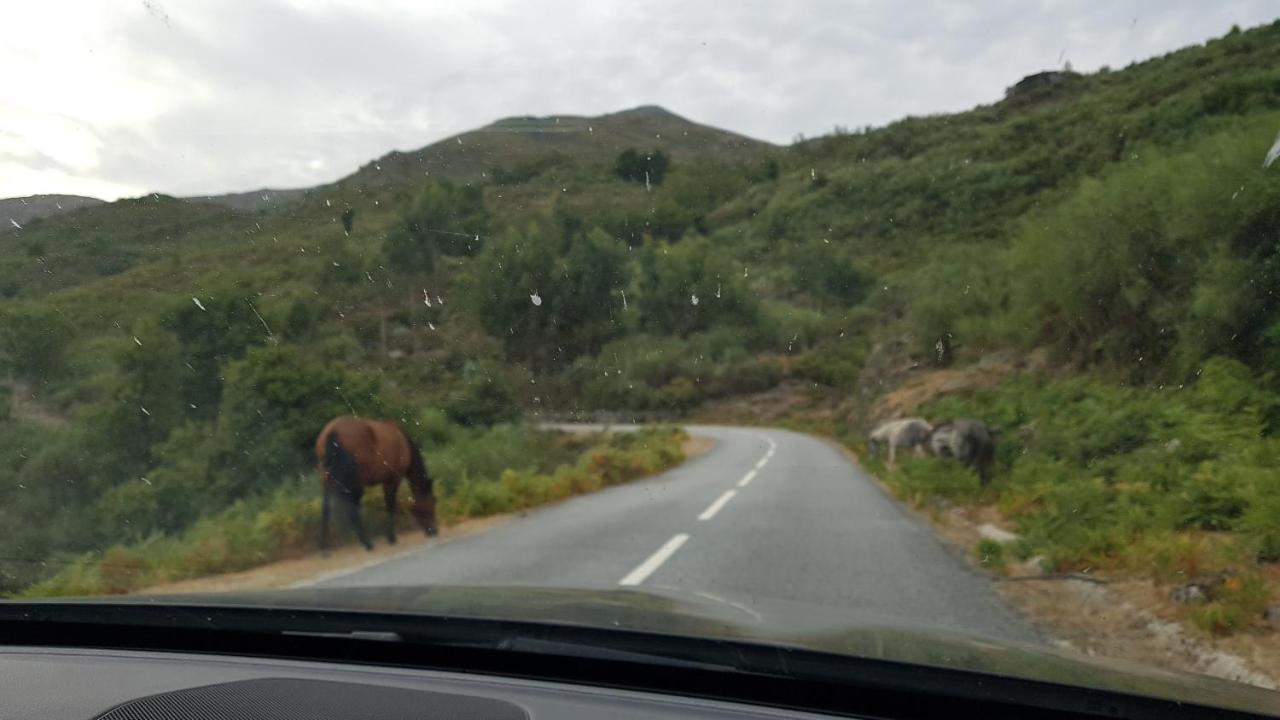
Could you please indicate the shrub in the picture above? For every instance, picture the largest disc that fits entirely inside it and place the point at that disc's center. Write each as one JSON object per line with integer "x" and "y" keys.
{"x": 485, "y": 401}
{"x": 834, "y": 366}
{"x": 650, "y": 168}
{"x": 990, "y": 555}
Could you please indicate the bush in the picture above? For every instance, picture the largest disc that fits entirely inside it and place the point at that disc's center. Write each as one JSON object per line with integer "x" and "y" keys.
{"x": 34, "y": 342}
{"x": 830, "y": 365}
{"x": 634, "y": 167}
{"x": 486, "y": 400}
{"x": 689, "y": 287}
{"x": 1214, "y": 500}
{"x": 990, "y": 555}
{"x": 551, "y": 298}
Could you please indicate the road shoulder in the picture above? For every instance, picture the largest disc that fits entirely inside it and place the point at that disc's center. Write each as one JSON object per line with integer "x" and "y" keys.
{"x": 1104, "y": 619}
{"x": 311, "y": 568}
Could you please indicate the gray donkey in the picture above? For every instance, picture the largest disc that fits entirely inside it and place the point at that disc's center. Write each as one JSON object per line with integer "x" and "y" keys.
{"x": 968, "y": 441}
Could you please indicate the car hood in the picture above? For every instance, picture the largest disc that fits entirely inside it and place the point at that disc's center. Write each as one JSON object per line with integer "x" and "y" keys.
{"x": 770, "y": 622}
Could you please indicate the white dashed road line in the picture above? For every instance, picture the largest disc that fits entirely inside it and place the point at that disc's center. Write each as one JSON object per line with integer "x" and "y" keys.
{"x": 664, "y": 553}
{"x": 646, "y": 568}
{"x": 720, "y": 502}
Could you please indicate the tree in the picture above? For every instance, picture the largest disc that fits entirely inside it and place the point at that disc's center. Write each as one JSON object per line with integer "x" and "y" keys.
{"x": 409, "y": 252}
{"x": 276, "y": 400}
{"x": 548, "y": 296}
{"x": 211, "y": 333}
{"x": 34, "y": 342}
{"x": 485, "y": 400}
{"x": 634, "y": 167}
{"x": 147, "y": 397}
{"x": 687, "y": 287}
{"x": 300, "y": 320}
{"x": 444, "y": 218}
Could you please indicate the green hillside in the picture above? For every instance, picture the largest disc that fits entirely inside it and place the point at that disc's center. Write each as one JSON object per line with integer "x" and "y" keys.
{"x": 640, "y": 263}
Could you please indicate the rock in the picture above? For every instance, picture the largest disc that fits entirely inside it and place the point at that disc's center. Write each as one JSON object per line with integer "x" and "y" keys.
{"x": 1034, "y": 565}
{"x": 1191, "y": 593}
{"x": 1272, "y": 616}
{"x": 1206, "y": 588}
{"x": 987, "y": 531}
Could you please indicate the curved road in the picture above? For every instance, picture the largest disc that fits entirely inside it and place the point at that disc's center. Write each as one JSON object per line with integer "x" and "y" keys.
{"x": 765, "y": 514}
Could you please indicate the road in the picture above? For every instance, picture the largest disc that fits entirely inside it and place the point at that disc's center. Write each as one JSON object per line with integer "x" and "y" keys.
{"x": 765, "y": 514}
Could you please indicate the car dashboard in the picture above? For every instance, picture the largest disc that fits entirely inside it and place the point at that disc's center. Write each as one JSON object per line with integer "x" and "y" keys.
{"x": 79, "y": 684}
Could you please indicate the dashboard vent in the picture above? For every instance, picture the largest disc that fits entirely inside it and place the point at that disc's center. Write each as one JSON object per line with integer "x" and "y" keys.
{"x": 297, "y": 699}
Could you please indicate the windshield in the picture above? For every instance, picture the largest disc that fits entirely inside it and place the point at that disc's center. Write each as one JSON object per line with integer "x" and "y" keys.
{"x": 948, "y": 321}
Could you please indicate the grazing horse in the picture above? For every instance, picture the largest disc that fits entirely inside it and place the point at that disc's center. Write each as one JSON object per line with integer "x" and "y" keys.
{"x": 352, "y": 454}
{"x": 905, "y": 433}
{"x": 968, "y": 441}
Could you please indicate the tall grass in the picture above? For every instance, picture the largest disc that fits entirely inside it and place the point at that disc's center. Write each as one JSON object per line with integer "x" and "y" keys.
{"x": 1174, "y": 485}
{"x": 493, "y": 477}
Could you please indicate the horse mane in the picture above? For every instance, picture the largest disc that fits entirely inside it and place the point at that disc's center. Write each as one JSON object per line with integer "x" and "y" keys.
{"x": 419, "y": 478}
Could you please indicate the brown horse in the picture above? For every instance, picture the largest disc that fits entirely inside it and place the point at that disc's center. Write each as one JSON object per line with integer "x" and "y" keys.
{"x": 352, "y": 454}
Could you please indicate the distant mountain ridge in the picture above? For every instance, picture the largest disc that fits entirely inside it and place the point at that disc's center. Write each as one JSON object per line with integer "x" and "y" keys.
{"x": 22, "y": 210}
{"x": 472, "y": 155}
{"x": 513, "y": 141}
{"x": 254, "y": 200}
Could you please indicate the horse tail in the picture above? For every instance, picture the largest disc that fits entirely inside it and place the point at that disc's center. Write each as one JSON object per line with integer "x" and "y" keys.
{"x": 341, "y": 466}
{"x": 419, "y": 478}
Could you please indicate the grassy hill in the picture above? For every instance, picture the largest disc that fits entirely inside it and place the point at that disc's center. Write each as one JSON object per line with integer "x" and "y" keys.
{"x": 520, "y": 146}
{"x": 255, "y": 200}
{"x": 1119, "y": 222}
{"x": 23, "y": 210}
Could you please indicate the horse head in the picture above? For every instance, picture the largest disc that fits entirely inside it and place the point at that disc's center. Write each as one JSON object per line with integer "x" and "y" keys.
{"x": 424, "y": 511}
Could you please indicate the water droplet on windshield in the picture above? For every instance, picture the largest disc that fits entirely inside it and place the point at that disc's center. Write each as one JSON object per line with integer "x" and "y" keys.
{"x": 136, "y": 340}
{"x": 15, "y": 223}
{"x": 197, "y": 302}
{"x": 1272, "y": 154}
{"x": 536, "y": 299}
{"x": 693, "y": 299}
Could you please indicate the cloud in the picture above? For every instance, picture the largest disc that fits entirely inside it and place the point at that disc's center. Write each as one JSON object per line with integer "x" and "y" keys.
{"x": 193, "y": 98}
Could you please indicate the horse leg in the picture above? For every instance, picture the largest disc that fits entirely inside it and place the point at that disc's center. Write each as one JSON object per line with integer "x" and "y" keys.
{"x": 324, "y": 518}
{"x": 389, "y": 495}
{"x": 352, "y": 506}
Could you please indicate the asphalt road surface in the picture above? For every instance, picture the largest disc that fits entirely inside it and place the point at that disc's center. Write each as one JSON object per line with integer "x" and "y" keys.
{"x": 764, "y": 515}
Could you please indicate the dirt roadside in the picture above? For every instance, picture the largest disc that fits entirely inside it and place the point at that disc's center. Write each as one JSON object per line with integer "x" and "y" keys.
{"x": 298, "y": 571}
{"x": 1113, "y": 618}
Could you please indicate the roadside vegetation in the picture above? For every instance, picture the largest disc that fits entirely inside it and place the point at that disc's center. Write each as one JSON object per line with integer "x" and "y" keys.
{"x": 165, "y": 365}
{"x": 490, "y": 473}
{"x": 1178, "y": 484}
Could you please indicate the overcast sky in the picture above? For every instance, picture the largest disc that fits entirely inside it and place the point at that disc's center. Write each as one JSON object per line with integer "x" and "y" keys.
{"x": 115, "y": 99}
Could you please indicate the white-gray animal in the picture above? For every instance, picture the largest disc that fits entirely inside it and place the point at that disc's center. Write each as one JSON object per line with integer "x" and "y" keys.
{"x": 905, "y": 433}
